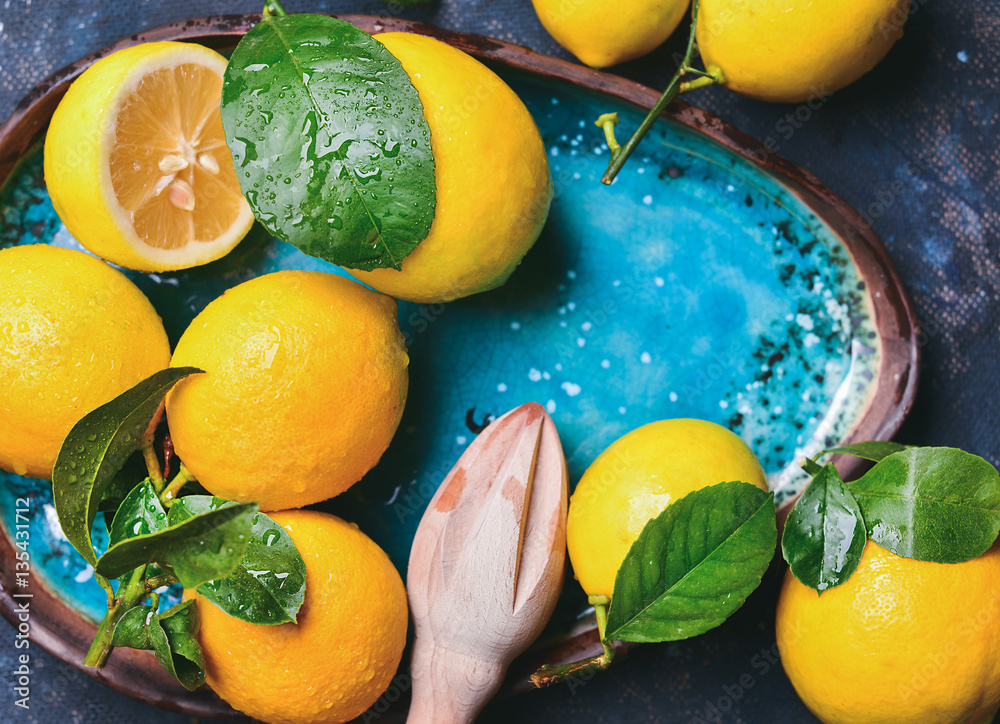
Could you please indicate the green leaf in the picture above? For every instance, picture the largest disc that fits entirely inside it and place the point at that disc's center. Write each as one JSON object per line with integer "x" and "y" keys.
{"x": 873, "y": 450}
{"x": 329, "y": 141}
{"x": 825, "y": 533}
{"x": 178, "y": 649}
{"x": 122, "y": 483}
{"x": 132, "y": 630}
{"x": 171, "y": 635}
{"x": 97, "y": 447}
{"x": 197, "y": 548}
{"x": 141, "y": 513}
{"x": 269, "y": 584}
{"x": 932, "y": 503}
{"x": 694, "y": 565}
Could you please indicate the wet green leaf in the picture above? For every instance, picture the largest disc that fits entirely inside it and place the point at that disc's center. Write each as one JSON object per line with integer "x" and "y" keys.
{"x": 269, "y": 584}
{"x": 171, "y": 635}
{"x": 825, "y": 533}
{"x": 132, "y": 630}
{"x": 873, "y": 450}
{"x": 178, "y": 649}
{"x": 122, "y": 483}
{"x": 97, "y": 447}
{"x": 694, "y": 565}
{"x": 196, "y": 548}
{"x": 329, "y": 141}
{"x": 931, "y": 503}
{"x": 139, "y": 514}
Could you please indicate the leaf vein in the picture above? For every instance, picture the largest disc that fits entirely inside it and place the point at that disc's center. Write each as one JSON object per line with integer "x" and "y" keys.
{"x": 350, "y": 171}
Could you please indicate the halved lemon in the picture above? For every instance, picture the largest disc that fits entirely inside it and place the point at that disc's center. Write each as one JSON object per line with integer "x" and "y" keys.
{"x": 136, "y": 161}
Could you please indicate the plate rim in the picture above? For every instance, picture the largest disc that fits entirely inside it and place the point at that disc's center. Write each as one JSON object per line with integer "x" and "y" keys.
{"x": 65, "y": 634}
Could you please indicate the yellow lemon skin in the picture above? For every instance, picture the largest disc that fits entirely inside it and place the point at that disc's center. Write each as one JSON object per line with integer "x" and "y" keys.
{"x": 74, "y": 333}
{"x": 789, "y": 51}
{"x": 79, "y": 145}
{"x": 636, "y": 478}
{"x": 901, "y": 642}
{"x": 490, "y": 170}
{"x": 342, "y": 653}
{"x": 602, "y": 34}
{"x": 306, "y": 379}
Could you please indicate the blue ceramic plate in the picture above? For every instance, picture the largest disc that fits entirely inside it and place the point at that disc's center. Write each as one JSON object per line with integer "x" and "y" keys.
{"x": 700, "y": 284}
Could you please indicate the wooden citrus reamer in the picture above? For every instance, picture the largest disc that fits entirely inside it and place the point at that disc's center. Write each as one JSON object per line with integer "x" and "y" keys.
{"x": 486, "y": 566}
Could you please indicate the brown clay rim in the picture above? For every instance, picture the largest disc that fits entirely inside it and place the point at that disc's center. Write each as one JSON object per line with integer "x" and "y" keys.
{"x": 64, "y": 633}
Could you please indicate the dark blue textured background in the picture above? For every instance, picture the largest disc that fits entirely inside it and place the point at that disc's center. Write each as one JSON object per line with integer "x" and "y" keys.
{"x": 913, "y": 145}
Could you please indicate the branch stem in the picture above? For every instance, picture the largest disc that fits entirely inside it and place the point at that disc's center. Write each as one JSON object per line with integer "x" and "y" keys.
{"x": 810, "y": 466}
{"x": 159, "y": 581}
{"x": 703, "y": 81}
{"x": 169, "y": 496}
{"x": 106, "y": 585}
{"x": 274, "y": 8}
{"x": 133, "y": 594}
{"x": 153, "y": 465}
{"x": 676, "y": 86}
{"x": 607, "y": 122}
{"x": 548, "y": 675}
{"x": 601, "y": 604}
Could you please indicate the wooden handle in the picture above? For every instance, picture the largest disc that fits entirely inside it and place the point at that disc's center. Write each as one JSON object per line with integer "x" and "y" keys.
{"x": 449, "y": 687}
{"x": 486, "y": 565}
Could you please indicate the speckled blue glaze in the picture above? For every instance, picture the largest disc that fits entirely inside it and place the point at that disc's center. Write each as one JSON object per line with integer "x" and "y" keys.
{"x": 695, "y": 286}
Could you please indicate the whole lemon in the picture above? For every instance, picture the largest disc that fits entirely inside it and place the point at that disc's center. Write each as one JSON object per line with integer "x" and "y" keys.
{"x": 490, "y": 170}
{"x": 636, "y": 478}
{"x": 789, "y": 51}
{"x": 342, "y": 653}
{"x": 306, "y": 378}
{"x": 901, "y": 642}
{"x": 74, "y": 333}
{"x": 602, "y": 35}
{"x": 136, "y": 160}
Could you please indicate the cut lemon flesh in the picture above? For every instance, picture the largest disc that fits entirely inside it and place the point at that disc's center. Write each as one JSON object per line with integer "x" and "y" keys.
{"x": 136, "y": 160}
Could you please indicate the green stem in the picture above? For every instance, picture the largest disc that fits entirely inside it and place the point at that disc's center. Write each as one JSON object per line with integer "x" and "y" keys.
{"x": 548, "y": 675}
{"x": 101, "y": 648}
{"x": 275, "y": 8}
{"x": 810, "y": 466}
{"x": 159, "y": 581}
{"x": 170, "y": 495}
{"x": 691, "y": 70}
{"x": 608, "y": 122}
{"x": 106, "y": 585}
{"x": 153, "y": 465}
{"x": 712, "y": 77}
{"x": 133, "y": 594}
{"x": 600, "y": 604}
{"x": 674, "y": 88}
